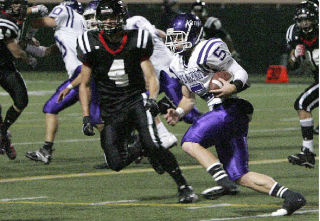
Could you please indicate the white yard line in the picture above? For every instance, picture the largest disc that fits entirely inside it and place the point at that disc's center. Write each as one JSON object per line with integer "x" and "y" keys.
{"x": 31, "y": 93}
{"x": 113, "y": 202}
{"x": 257, "y": 216}
{"x": 24, "y": 198}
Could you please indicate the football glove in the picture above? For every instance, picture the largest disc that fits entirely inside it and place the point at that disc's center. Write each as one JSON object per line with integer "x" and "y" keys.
{"x": 164, "y": 104}
{"x": 40, "y": 9}
{"x": 87, "y": 127}
{"x": 152, "y": 106}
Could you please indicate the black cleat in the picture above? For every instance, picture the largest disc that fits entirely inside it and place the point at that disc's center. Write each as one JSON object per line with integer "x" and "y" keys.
{"x": 292, "y": 203}
{"x": 304, "y": 158}
{"x": 218, "y": 191}
{"x": 6, "y": 147}
{"x": 186, "y": 194}
{"x": 101, "y": 166}
{"x": 42, "y": 154}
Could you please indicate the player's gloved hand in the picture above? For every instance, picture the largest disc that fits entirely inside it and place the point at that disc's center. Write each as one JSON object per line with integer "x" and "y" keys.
{"x": 299, "y": 51}
{"x": 32, "y": 62}
{"x": 39, "y": 9}
{"x": 152, "y": 106}
{"x": 87, "y": 127}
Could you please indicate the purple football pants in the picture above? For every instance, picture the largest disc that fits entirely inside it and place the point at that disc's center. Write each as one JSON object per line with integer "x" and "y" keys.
{"x": 52, "y": 107}
{"x": 226, "y": 127}
{"x": 172, "y": 88}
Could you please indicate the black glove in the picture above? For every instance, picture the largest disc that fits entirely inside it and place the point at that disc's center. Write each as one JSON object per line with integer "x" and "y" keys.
{"x": 164, "y": 104}
{"x": 152, "y": 106}
{"x": 87, "y": 127}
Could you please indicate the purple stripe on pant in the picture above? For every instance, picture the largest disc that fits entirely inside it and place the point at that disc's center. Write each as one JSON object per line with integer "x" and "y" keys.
{"x": 52, "y": 107}
{"x": 226, "y": 127}
{"x": 172, "y": 88}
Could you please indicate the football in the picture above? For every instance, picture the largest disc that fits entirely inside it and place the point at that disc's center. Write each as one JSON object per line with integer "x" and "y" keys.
{"x": 215, "y": 83}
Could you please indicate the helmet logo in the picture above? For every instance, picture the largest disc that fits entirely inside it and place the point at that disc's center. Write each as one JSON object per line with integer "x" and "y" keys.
{"x": 189, "y": 23}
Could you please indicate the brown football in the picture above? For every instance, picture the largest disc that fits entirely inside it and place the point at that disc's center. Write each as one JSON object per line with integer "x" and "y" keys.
{"x": 215, "y": 83}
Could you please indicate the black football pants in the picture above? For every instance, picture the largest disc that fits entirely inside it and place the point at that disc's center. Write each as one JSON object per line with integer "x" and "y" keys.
{"x": 13, "y": 83}
{"x": 115, "y": 135}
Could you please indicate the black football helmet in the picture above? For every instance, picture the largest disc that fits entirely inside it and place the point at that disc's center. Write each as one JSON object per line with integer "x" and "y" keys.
{"x": 16, "y": 8}
{"x": 199, "y": 9}
{"x": 306, "y": 16}
{"x": 111, "y": 16}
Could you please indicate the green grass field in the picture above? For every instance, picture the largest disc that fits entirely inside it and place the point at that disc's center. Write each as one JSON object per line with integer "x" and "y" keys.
{"x": 70, "y": 189}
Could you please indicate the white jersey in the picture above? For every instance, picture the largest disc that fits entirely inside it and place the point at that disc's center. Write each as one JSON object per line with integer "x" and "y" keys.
{"x": 161, "y": 56}
{"x": 70, "y": 25}
{"x": 208, "y": 57}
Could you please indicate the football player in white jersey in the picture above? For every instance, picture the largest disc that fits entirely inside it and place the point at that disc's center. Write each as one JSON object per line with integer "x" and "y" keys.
{"x": 226, "y": 124}
{"x": 68, "y": 23}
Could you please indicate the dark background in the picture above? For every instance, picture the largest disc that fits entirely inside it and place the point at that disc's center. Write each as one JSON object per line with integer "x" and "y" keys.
{"x": 258, "y": 32}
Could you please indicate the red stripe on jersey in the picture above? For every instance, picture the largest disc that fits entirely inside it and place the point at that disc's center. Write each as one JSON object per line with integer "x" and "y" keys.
{"x": 123, "y": 43}
{"x": 311, "y": 42}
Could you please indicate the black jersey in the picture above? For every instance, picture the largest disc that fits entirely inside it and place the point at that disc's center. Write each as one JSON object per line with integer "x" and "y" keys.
{"x": 213, "y": 28}
{"x": 9, "y": 28}
{"x": 116, "y": 67}
{"x": 295, "y": 36}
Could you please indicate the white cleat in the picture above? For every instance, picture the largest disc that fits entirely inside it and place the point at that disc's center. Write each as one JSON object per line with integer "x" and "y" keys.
{"x": 280, "y": 212}
{"x": 168, "y": 140}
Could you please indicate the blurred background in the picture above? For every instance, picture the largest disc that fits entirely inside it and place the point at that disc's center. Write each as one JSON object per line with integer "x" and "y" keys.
{"x": 258, "y": 28}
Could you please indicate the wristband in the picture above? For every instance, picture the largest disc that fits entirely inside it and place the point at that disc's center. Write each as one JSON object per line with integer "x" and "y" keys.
{"x": 238, "y": 84}
{"x": 34, "y": 10}
{"x": 70, "y": 86}
{"x": 180, "y": 112}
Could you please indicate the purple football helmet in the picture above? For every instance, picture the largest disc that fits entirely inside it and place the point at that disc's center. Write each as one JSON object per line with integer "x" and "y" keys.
{"x": 184, "y": 32}
{"x": 89, "y": 14}
{"x": 74, "y": 4}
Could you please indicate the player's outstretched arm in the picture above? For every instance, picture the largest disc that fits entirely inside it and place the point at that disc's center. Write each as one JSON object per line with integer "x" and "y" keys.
{"x": 16, "y": 50}
{"x": 185, "y": 106}
{"x": 85, "y": 90}
{"x": 85, "y": 97}
{"x": 48, "y": 22}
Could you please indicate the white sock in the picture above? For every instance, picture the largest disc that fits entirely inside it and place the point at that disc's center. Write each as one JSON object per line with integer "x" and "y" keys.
{"x": 308, "y": 144}
{"x": 162, "y": 130}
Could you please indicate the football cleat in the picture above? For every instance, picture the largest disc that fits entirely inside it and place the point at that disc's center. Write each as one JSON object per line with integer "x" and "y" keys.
{"x": 168, "y": 140}
{"x": 42, "y": 154}
{"x": 7, "y": 147}
{"x": 186, "y": 194}
{"x": 304, "y": 158}
{"x": 291, "y": 203}
{"x": 218, "y": 191}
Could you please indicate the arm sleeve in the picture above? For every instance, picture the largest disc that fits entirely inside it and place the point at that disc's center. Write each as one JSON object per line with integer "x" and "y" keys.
{"x": 147, "y": 46}
{"x": 240, "y": 76}
{"x": 216, "y": 55}
{"x": 83, "y": 55}
{"x": 289, "y": 37}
